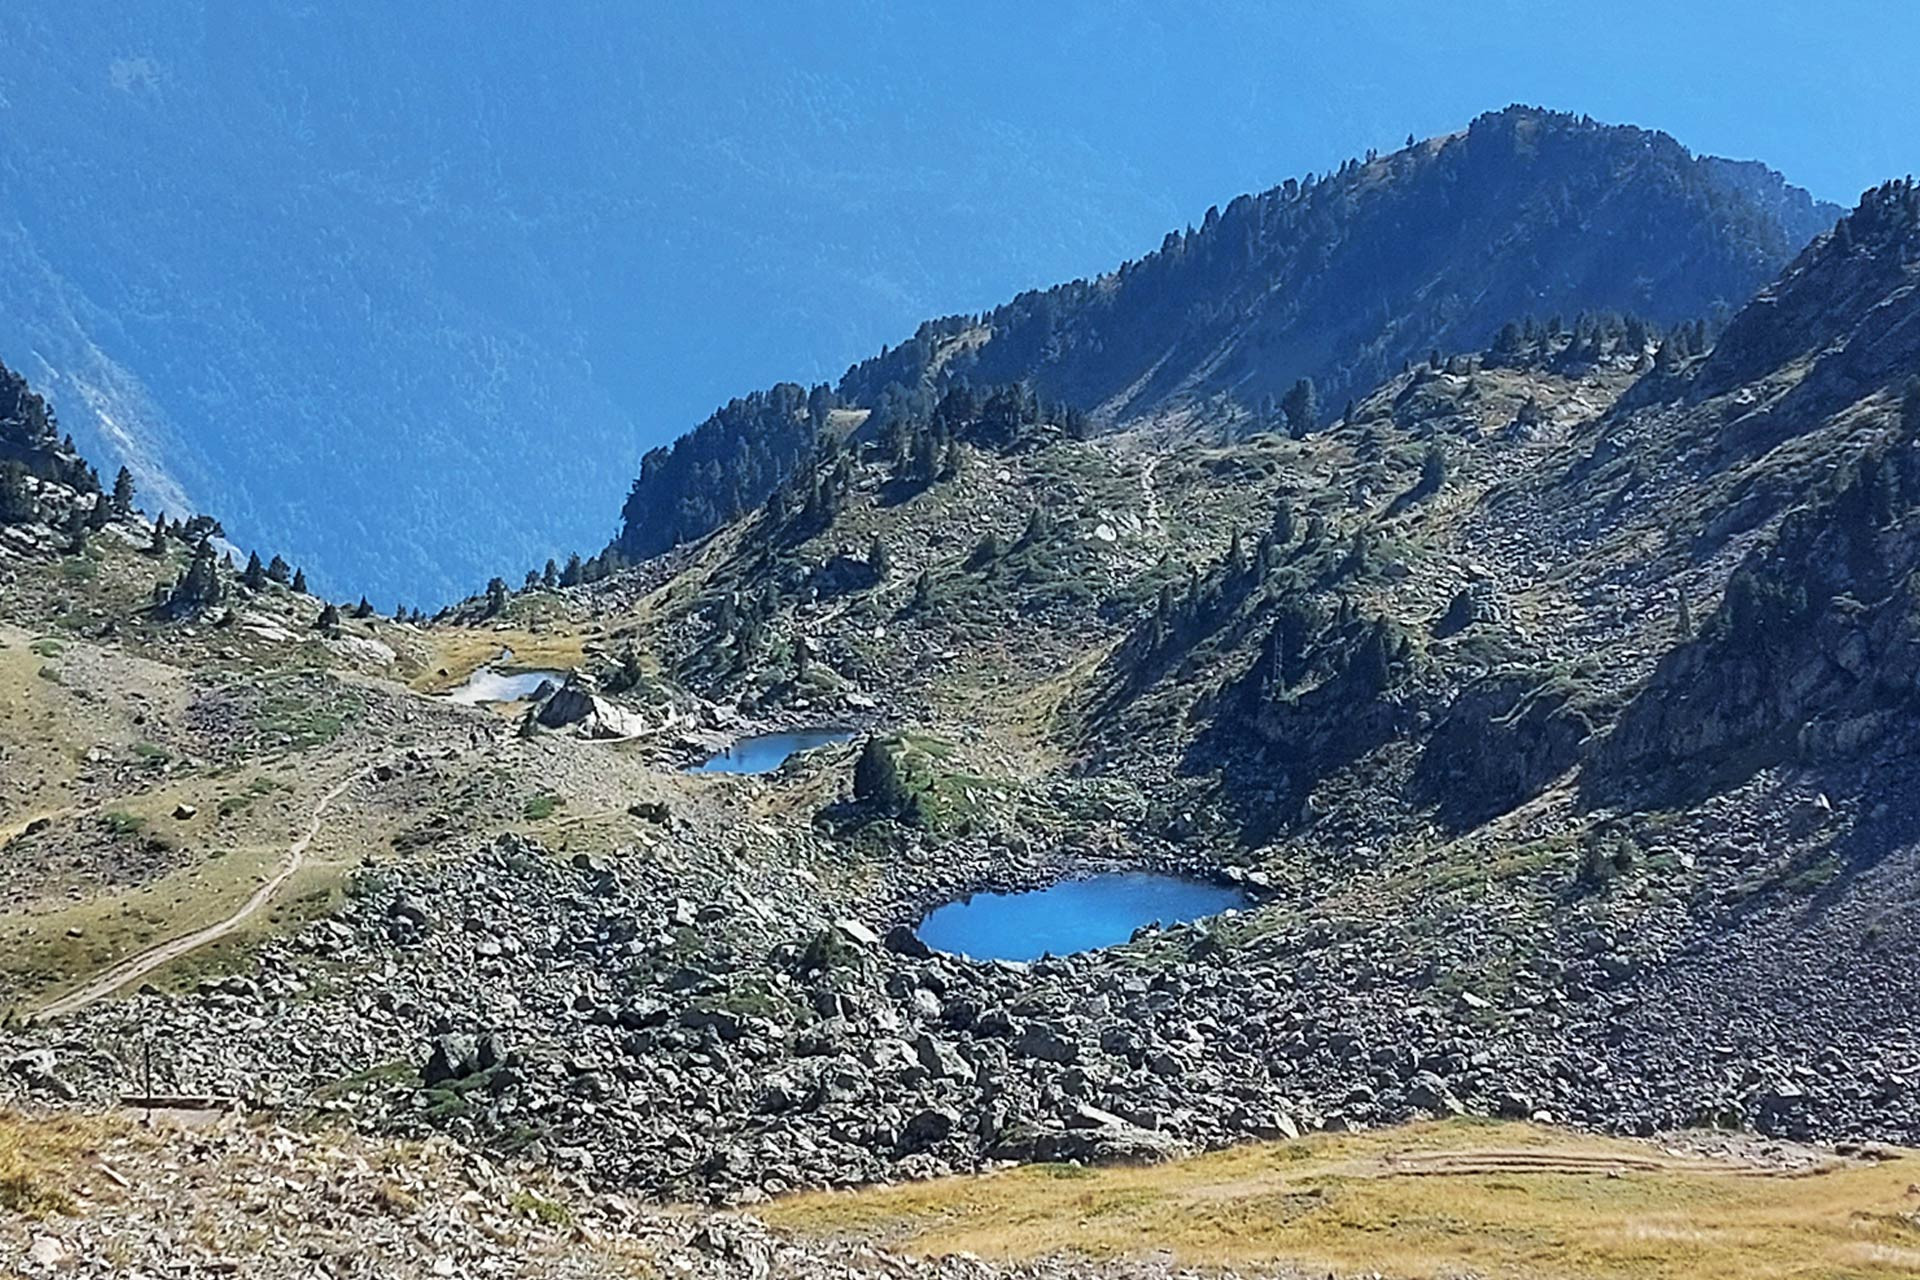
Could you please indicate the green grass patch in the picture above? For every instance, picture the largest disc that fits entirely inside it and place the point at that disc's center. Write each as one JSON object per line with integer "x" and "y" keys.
{"x": 547, "y": 1212}
{"x": 122, "y": 823}
{"x": 306, "y": 721}
{"x": 374, "y": 1079}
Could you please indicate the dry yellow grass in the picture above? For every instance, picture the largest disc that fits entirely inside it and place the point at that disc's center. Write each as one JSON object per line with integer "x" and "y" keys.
{"x": 41, "y": 1159}
{"x": 1430, "y": 1200}
{"x": 459, "y": 653}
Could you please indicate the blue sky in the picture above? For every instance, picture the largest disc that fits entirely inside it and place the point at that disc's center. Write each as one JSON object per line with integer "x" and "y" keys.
{"x": 361, "y": 279}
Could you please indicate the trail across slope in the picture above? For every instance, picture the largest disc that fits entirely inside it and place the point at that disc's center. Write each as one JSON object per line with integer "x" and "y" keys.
{"x": 146, "y": 962}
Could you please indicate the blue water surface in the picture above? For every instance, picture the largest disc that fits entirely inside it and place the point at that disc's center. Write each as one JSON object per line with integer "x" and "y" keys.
{"x": 766, "y": 752}
{"x": 1074, "y": 915}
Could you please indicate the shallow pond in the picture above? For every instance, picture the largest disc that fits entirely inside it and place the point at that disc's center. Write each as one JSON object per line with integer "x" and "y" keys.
{"x": 489, "y": 685}
{"x": 765, "y": 752}
{"x": 1074, "y": 915}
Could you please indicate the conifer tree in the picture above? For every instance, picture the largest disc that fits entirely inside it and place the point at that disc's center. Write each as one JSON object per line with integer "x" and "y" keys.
{"x": 280, "y": 571}
{"x": 17, "y": 502}
{"x": 986, "y": 551}
{"x": 123, "y": 493}
{"x": 254, "y": 576}
{"x": 300, "y": 581}
{"x": 627, "y": 675}
{"x": 1302, "y": 409}
{"x": 199, "y": 588}
{"x": 75, "y": 528}
{"x": 1283, "y": 524}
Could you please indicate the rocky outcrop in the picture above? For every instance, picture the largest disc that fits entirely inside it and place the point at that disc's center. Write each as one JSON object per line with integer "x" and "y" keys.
{"x": 1813, "y": 653}
{"x": 578, "y": 705}
{"x": 1504, "y": 738}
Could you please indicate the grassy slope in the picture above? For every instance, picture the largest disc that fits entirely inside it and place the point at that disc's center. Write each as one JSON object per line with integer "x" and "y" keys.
{"x": 97, "y": 736}
{"x": 1432, "y": 1200}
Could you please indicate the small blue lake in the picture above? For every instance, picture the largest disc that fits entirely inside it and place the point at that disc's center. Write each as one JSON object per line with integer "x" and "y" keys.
{"x": 765, "y": 752}
{"x": 1074, "y": 915}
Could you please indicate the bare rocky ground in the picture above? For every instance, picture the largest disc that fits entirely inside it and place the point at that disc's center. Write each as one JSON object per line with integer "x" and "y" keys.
{"x": 214, "y": 1195}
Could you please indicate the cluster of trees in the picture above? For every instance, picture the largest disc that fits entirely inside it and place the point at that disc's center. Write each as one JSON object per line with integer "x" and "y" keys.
{"x": 198, "y": 589}
{"x": 1529, "y": 343}
{"x": 33, "y": 452}
{"x": 204, "y": 584}
{"x": 894, "y": 781}
{"x": 1369, "y": 654}
{"x": 1227, "y": 599}
{"x": 1297, "y": 413}
{"x": 1835, "y": 543}
{"x": 743, "y": 626}
{"x": 18, "y": 501}
{"x": 553, "y": 575}
{"x": 1891, "y": 211}
{"x": 87, "y": 513}
{"x": 1185, "y": 614}
{"x": 256, "y": 576}
{"x": 721, "y": 469}
{"x": 1682, "y": 343}
{"x": 812, "y": 496}
{"x": 920, "y": 436}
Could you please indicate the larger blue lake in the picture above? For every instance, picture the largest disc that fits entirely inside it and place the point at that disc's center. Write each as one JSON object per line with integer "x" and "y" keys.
{"x": 765, "y": 752}
{"x": 1074, "y": 915}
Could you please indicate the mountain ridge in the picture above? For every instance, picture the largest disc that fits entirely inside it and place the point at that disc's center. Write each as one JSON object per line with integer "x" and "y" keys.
{"x": 1097, "y": 343}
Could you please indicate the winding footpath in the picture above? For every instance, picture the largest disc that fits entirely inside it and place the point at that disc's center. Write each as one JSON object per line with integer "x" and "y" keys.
{"x": 139, "y": 966}
{"x": 1150, "y": 497}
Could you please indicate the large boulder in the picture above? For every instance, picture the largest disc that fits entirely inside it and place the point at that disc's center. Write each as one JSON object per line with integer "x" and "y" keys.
{"x": 928, "y": 1127}
{"x": 577, "y": 704}
{"x": 1114, "y": 1143}
{"x": 453, "y": 1057}
{"x": 1048, "y": 1044}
